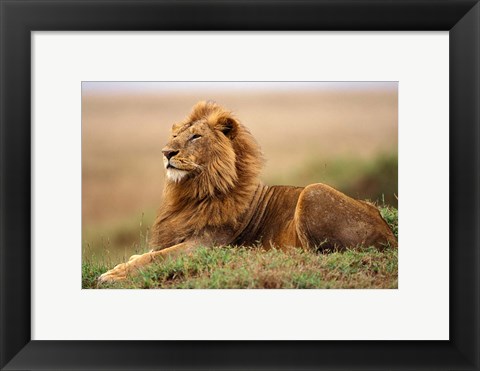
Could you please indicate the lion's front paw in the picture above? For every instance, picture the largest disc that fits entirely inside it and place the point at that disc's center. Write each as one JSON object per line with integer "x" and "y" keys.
{"x": 118, "y": 273}
{"x": 121, "y": 271}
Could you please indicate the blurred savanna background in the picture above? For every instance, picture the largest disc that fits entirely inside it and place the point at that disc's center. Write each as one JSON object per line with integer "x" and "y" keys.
{"x": 344, "y": 134}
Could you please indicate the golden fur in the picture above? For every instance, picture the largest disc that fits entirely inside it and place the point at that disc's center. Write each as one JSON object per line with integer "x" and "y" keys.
{"x": 213, "y": 196}
{"x": 220, "y": 187}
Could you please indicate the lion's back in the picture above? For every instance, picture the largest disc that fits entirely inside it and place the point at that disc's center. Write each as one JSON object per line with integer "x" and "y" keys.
{"x": 271, "y": 223}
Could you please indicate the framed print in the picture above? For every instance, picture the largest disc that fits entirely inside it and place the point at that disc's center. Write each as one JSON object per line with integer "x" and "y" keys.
{"x": 52, "y": 51}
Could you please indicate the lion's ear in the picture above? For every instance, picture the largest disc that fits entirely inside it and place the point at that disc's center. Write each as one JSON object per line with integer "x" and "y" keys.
{"x": 218, "y": 118}
{"x": 228, "y": 126}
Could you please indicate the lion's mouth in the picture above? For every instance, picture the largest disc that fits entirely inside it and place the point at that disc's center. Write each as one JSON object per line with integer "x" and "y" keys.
{"x": 179, "y": 165}
{"x": 169, "y": 165}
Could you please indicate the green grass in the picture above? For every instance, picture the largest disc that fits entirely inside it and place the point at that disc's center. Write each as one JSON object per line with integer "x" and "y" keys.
{"x": 234, "y": 267}
{"x": 375, "y": 179}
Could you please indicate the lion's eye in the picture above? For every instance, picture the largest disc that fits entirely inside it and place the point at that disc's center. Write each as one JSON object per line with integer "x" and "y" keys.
{"x": 195, "y": 136}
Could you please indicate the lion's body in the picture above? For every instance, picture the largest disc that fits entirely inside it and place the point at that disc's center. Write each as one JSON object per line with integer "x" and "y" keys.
{"x": 317, "y": 217}
{"x": 213, "y": 196}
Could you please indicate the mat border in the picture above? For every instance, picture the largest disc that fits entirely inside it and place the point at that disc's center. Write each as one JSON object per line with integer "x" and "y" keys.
{"x": 18, "y": 18}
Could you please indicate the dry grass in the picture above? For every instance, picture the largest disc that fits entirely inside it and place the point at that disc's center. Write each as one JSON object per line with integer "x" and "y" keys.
{"x": 122, "y": 138}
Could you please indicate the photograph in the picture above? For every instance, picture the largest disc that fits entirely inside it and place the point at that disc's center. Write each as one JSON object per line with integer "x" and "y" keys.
{"x": 237, "y": 185}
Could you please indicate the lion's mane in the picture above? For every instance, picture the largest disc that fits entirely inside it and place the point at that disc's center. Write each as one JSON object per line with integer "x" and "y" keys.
{"x": 219, "y": 194}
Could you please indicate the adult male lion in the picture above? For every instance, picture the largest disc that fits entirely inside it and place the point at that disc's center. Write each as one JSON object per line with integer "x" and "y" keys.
{"x": 213, "y": 196}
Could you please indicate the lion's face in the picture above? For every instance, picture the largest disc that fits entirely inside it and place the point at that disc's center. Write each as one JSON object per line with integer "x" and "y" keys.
{"x": 201, "y": 145}
{"x": 186, "y": 151}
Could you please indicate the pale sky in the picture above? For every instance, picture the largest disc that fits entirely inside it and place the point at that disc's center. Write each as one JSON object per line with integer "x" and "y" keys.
{"x": 154, "y": 86}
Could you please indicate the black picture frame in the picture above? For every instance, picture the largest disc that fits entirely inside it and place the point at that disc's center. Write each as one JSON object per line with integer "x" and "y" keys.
{"x": 18, "y": 18}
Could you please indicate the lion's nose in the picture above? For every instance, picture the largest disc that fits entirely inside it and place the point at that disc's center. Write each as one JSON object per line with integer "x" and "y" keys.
{"x": 169, "y": 153}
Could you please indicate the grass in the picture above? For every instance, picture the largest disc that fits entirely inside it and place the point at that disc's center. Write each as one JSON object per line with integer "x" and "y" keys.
{"x": 375, "y": 179}
{"x": 233, "y": 267}
{"x": 119, "y": 240}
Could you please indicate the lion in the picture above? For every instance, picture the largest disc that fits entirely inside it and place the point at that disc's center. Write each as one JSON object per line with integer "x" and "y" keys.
{"x": 213, "y": 197}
